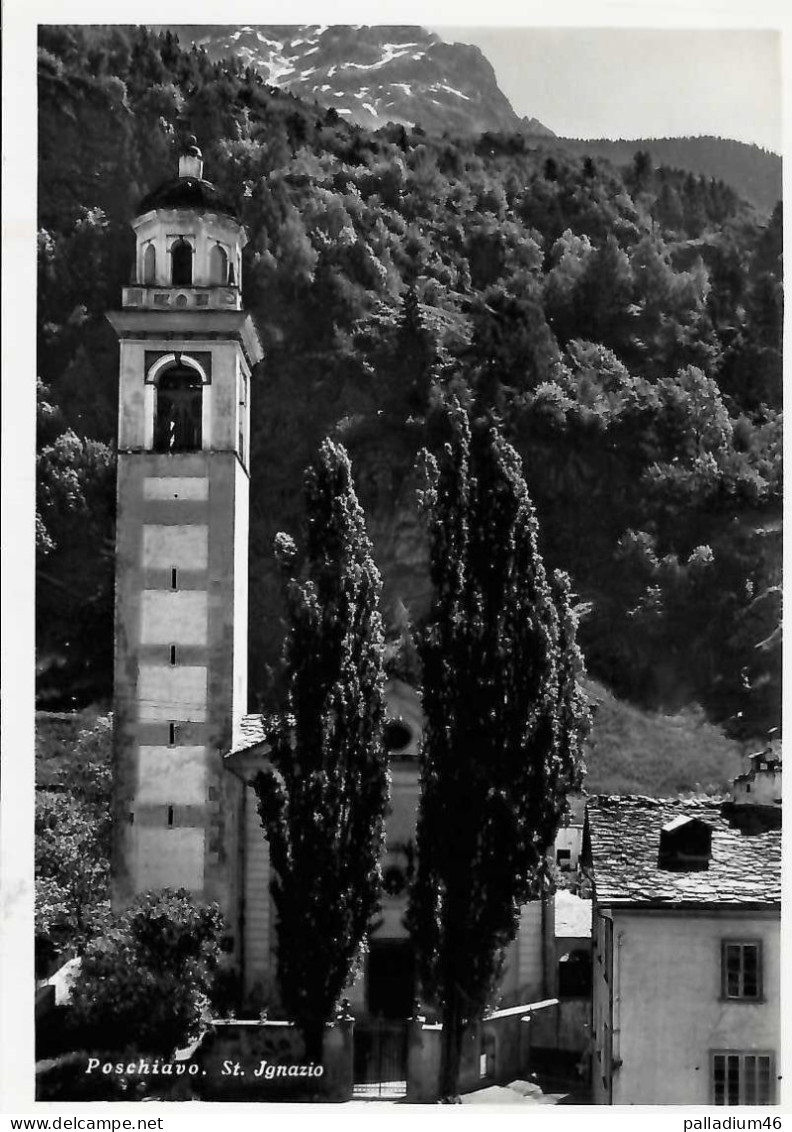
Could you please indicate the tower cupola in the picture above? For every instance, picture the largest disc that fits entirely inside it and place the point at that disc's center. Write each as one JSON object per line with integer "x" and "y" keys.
{"x": 189, "y": 244}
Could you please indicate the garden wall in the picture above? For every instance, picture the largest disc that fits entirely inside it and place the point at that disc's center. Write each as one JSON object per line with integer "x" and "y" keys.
{"x": 266, "y": 1061}
{"x": 495, "y": 1051}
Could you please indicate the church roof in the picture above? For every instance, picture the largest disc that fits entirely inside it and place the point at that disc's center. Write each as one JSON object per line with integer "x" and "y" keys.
{"x": 187, "y": 192}
{"x": 622, "y": 843}
{"x": 251, "y": 731}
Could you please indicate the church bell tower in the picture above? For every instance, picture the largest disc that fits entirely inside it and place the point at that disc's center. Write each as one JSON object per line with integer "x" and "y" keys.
{"x": 187, "y": 350}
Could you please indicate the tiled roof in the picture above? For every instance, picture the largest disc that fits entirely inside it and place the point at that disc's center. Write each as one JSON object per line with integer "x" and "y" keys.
{"x": 624, "y": 834}
{"x": 251, "y": 731}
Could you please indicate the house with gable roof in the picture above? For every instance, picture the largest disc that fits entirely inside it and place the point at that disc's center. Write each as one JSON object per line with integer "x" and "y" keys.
{"x": 687, "y": 951}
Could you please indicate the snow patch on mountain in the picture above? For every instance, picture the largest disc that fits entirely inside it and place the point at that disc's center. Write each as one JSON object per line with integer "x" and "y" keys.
{"x": 379, "y": 74}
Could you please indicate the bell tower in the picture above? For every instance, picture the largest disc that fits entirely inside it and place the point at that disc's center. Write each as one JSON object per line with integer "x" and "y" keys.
{"x": 187, "y": 350}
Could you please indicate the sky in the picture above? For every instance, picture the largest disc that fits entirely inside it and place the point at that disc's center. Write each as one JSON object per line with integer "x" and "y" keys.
{"x": 638, "y": 82}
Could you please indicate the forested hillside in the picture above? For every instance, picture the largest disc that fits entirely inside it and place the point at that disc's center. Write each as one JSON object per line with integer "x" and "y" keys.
{"x": 755, "y": 173}
{"x": 625, "y": 327}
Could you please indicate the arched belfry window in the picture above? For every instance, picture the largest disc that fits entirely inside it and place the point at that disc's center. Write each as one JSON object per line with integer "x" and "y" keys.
{"x": 181, "y": 263}
{"x": 218, "y": 265}
{"x": 149, "y": 264}
{"x": 177, "y": 424}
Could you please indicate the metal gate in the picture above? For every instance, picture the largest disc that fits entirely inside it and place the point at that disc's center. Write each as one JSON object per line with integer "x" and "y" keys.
{"x": 380, "y": 1058}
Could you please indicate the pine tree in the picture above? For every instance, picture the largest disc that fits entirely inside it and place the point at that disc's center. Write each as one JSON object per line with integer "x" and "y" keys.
{"x": 322, "y": 800}
{"x": 415, "y": 353}
{"x": 505, "y": 722}
{"x": 603, "y": 297}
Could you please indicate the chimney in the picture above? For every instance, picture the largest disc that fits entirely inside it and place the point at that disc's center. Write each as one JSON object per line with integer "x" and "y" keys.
{"x": 191, "y": 161}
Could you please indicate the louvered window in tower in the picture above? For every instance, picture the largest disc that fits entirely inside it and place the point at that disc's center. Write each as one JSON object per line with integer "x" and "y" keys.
{"x": 181, "y": 264}
{"x": 177, "y": 427}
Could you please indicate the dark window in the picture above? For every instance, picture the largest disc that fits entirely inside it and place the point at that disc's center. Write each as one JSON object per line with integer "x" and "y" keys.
{"x": 149, "y": 264}
{"x": 181, "y": 263}
{"x": 685, "y": 845}
{"x": 173, "y": 655}
{"x": 177, "y": 427}
{"x": 171, "y": 734}
{"x": 741, "y": 970}
{"x": 742, "y": 1078}
{"x": 391, "y": 981}
{"x": 564, "y": 859}
{"x": 574, "y": 975}
{"x": 174, "y": 579}
{"x": 170, "y": 815}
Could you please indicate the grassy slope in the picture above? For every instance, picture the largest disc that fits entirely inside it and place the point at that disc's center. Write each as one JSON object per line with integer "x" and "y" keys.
{"x": 632, "y": 751}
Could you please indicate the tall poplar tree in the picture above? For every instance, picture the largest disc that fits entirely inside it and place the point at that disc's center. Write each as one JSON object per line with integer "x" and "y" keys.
{"x": 323, "y": 797}
{"x": 505, "y": 722}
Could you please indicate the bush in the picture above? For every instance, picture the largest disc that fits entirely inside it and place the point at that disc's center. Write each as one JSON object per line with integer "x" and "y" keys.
{"x": 71, "y": 877}
{"x": 66, "y": 1078}
{"x": 145, "y": 983}
{"x": 77, "y": 1077}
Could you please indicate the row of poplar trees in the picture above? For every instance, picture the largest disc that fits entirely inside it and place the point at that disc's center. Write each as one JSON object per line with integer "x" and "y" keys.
{"x": 505, "y": 721}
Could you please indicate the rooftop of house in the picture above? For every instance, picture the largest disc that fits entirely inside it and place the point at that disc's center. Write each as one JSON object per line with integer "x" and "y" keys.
{"x": 762, "y": 763}
{"x": 622, "y": 845}
{"x": 572, "y": 916}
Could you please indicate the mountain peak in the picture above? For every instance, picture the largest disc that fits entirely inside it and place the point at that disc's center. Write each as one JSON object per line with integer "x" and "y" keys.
{"x": 372, "y": 75}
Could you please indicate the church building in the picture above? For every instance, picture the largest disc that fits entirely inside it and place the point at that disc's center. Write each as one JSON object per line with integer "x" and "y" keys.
{"x": 186, "y": 750}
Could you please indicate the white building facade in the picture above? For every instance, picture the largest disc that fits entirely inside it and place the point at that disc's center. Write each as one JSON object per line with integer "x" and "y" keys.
{"x": 687, "y": 962}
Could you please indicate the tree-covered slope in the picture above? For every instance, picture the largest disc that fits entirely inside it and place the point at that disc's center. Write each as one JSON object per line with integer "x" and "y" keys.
{"x": 624, "y": 326}
{"x": 752, "y": 172}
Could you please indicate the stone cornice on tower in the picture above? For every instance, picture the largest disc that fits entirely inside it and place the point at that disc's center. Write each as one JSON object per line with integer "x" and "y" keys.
{"x": 190, "y": 325}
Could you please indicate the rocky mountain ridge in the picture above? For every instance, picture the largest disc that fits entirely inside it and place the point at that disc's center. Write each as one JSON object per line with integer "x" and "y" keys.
{"x": 372, "y": 75}
{"x": 407, "y": 75}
